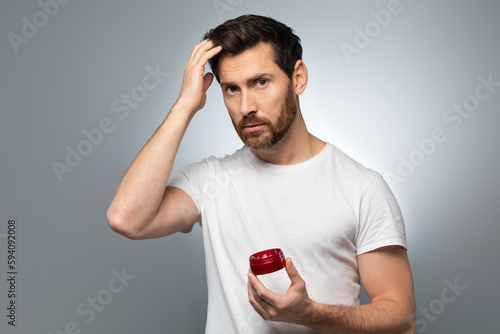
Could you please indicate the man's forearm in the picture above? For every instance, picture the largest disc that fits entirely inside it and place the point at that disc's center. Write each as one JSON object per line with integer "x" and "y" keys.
{"x": 378, "y": 317}
{"x": 140, "y": 192}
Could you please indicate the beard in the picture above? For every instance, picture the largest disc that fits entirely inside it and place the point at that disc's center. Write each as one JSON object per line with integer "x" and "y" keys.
{"x": 262, "y": 139}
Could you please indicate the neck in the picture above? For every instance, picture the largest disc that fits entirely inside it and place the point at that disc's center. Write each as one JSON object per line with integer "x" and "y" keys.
{"x": 297, "y": 146}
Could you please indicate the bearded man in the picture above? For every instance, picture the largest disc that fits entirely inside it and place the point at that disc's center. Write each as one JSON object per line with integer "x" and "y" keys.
{"x": 285, "y": 188}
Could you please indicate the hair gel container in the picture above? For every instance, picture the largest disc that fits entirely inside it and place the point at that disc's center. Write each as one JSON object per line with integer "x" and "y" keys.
{"x": 269, "y": 265}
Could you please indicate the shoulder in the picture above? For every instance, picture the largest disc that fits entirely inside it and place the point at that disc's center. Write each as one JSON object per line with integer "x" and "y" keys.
{"x": 237, "y": 157}
{"x": 347, "y": 167}
{"x": 215, "y": 163}
{"x": 352, "y": 178}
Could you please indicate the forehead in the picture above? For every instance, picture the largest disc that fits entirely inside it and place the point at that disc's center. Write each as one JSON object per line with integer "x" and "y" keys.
{"x": 258, "y": 59}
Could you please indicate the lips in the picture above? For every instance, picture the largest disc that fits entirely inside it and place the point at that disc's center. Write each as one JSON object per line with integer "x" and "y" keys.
{"x": 253, "y": 127}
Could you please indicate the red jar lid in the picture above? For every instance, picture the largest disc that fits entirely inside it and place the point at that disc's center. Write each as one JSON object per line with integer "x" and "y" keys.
{"x": 267, "y": 261}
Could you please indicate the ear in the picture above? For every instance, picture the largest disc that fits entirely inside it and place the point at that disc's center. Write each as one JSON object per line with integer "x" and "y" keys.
{"x": 299, "y": 77}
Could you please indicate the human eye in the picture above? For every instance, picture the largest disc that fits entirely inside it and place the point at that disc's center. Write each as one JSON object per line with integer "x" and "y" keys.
{"x": 231, "y": 90}
{"x": 261, "y": 83}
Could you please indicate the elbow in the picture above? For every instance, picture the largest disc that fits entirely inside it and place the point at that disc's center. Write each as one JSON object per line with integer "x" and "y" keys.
{"x": 403, "y": 318}
{"x": 121, "y": 225}
{"x": 411, "y": 327}
{"x": 411, "y": 323}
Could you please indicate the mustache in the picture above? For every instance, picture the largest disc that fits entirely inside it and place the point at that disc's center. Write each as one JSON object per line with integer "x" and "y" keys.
{"x": 251, "y": 119}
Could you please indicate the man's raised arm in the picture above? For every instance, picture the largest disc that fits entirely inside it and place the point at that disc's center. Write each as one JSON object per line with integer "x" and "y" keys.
{"x": 143, "y": 207}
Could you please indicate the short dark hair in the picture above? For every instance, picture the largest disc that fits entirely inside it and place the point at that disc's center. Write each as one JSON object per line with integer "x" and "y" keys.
{"x": 244, "y": 32}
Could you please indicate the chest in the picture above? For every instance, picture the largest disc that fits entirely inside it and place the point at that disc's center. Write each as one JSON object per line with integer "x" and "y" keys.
{"x": 309, "y": 212}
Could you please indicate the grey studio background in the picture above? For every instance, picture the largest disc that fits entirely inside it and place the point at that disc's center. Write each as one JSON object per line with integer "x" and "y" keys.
{"x": 408, "y": 88}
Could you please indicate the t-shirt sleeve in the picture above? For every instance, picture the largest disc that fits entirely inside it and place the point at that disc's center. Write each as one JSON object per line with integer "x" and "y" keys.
{"x": 380, "y": 218}
{"x": 189, "y": 179}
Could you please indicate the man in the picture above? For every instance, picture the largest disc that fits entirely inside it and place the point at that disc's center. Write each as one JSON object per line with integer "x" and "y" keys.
{"x": 285, "y": 188}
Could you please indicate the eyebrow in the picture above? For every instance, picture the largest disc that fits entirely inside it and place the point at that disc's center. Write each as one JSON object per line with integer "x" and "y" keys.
{"x": 249, "y": 80}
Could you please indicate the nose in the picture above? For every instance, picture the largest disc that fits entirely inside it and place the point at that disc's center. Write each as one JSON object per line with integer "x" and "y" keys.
{"x": 248, "y": 102}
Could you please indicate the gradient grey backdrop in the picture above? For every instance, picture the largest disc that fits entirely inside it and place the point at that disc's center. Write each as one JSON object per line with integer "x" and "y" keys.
{"x": 375, "y": 105}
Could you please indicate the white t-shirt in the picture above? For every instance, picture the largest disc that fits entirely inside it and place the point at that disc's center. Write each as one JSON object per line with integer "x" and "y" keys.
{"x": 322, "y": 213}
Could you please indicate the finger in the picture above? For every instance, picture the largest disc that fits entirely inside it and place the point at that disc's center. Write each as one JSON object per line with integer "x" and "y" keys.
{"x": 210, "y": 54}
{"x": 204, "y": 52}
{"x": 259, "y": 290}
{"x": 266, "y": 297}
{"x": 256, "y": 284}
{"x": 259, "y": 305}
{"x": 254, "y": 299}
{"x": 197, "y": 47}
{"x": 292, "y": 272}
